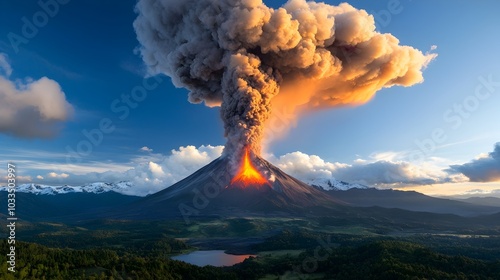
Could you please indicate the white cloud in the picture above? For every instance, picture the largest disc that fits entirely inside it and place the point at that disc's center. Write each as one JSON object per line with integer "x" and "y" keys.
{"x": 304, "y": 166}
{"x": 152, "y": 176}
{"x": 31, "y": 108}
{"x": 148, "y": 174}
{"x": 387, "y": 156}
{"x": 485, "y": 168}
{"x": 20, "y": 179}
{"x": 77, "y": 169}
{"x": 4, "y": 65}
{"x": 59, "y": 176}
{"x": 478, "y": 191}
{"x": 39, "y": 177}
{"x": 146, "y": 149}
{"x": 382, "y": 170}
{"x": 360, "y": 161}
{"x": 155, "y": 172}
{"x": 156, "y": 169}
{"x": 482, "y": 156}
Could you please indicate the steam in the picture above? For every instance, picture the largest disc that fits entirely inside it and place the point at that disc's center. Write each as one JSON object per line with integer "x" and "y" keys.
{"x": 248, "y": 58}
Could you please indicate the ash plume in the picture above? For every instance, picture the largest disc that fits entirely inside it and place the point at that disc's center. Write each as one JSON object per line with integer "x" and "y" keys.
{"x": 248, "y": 58}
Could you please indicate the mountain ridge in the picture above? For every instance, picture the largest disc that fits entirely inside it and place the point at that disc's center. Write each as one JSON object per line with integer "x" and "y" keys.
{"x": 334, "y": 184}
{"x": 209, "y": 191}
{"x": 97, "y": 188}
{"x": 125, "y": 187}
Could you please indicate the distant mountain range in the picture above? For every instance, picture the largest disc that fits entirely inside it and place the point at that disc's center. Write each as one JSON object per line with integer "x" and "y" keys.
{"x": 413, "y": 201}
{"x": 43, "y": 201}
{"x": 95, "y": 188}
{"x": 211, "y": 191}
{"x": 125, "y": 187}
{"x": 486, "y": 201}
{"x": 334, "y": 185}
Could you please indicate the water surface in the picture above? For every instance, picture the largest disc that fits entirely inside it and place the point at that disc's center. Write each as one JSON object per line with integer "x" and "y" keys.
{"x": 213, "y": 257}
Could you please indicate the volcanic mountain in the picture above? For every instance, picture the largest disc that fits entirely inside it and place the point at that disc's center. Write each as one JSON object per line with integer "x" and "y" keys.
{"x": 212, "y": 190}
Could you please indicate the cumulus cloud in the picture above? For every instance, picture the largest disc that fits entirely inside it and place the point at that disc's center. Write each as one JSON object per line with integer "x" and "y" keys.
{"x": 58, "y": 176}
{"x": 39, "y": 177}
{"x": 156, "y": 172}
{"x": 485, "y": 168}
{"x": 152, "y": 173}
{"x": 387, "y": 173}
{"x": 146, "y": 149}
{"x": 31, "y": 108}
{"x": 305, "y": 167}
{"x": 382, "y": 173}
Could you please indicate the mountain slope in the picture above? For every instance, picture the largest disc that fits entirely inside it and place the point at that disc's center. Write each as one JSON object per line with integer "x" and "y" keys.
{"x": 411, "y": 200}
{"x": 486, "y": 201}
{"x": 209, "y": 191}
{"x": 62, "y": 207}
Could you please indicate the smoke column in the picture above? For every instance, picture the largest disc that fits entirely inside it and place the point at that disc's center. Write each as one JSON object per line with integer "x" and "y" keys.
{"x": 246, "y": 58}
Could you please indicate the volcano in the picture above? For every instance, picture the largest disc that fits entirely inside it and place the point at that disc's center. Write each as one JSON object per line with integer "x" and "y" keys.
{"x": 213, "y": 190}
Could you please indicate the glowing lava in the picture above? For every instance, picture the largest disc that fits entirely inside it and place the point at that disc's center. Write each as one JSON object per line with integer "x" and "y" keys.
{"x": 247, "y": 174}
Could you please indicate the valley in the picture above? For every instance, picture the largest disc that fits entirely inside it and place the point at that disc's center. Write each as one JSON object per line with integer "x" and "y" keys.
{"x": 280, "y": 244}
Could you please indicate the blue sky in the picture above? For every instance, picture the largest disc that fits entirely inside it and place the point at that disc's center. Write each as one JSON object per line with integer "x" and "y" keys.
{"x": 87, "y": 47}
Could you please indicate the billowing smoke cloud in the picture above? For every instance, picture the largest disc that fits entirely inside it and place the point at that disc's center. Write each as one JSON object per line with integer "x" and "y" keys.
{"x": 246, "y": 57}
{"x": 30, "y": 108}
{"x": 484, "y": 169}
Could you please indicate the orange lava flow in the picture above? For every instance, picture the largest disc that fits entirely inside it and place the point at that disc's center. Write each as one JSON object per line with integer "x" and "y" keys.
{"x": 247, "y": 174}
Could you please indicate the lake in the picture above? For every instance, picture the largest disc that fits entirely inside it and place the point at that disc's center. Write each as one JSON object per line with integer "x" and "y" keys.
{"x": 212, "y": 257}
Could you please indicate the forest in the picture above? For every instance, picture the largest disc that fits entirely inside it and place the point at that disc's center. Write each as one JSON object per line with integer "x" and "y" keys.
{"x": 376, "y": 259}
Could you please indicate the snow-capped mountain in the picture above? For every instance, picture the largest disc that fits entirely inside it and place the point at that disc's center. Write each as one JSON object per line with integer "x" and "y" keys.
{"x": 125, "y": 187}
{"x": 334, "y": 184}
{"x": 97, "y": 188}
{"x": 284, "y": 195}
